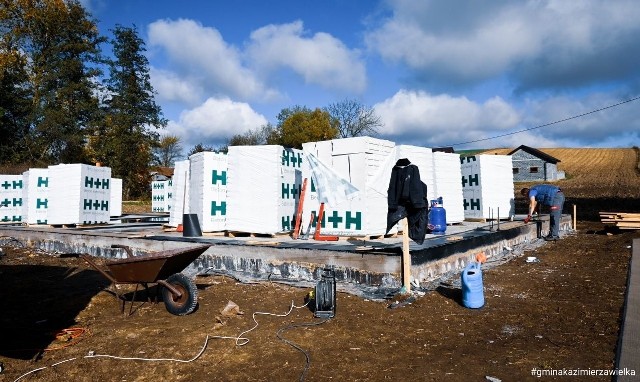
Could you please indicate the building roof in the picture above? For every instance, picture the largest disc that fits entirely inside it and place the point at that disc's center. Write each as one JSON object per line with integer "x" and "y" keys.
{"x": 535, "y": 152}
{"x": 447, "y": 149}
{"x": 166, "y": 171}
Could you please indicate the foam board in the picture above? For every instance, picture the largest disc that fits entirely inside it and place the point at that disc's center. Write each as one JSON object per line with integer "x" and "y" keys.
{"x": 487, "y": 182}
{"x": 79, "y": 194}
{"x": 208, "y": 190}
{"x": 263, "y": 188}
{"x": 11, "y": 192}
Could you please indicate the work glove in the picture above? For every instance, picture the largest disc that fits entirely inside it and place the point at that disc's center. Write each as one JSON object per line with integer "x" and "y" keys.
{"x": 527, "y": 219}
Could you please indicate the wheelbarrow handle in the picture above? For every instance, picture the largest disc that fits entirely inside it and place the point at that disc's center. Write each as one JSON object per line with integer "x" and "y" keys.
{"x": 88, "y": 259}
{"x": 126, "y": 248}
{"x": 176, "y": 293}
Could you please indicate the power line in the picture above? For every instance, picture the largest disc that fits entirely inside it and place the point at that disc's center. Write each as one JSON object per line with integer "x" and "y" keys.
{"x": 550, "y": 123}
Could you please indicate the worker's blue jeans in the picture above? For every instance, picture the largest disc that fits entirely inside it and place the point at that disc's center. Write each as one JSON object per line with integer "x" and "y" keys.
{"x": 556, "y": 214}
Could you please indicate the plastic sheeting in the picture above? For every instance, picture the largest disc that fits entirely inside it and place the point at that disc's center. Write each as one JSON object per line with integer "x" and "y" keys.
{"x": 208, "y": 190}
{"x": 11, "y": 189}
{"x": 263, "y": 188}
{"x": 358, "y": 161}
{"x": 447, "y": 184}
{"x": 487, "y": 182}
{"x": 79, "y": 194}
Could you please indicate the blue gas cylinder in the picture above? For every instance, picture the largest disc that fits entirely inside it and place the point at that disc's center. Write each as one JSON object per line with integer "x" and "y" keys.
{"x": 472, "y": 288}
{"x": 437, "y": 217}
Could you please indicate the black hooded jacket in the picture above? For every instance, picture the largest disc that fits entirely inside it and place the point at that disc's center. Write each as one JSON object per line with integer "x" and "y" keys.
{"x": 406, "y": 197}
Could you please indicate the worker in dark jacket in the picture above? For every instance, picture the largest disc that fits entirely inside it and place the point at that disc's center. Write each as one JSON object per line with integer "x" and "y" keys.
{"x": 546, "y": 195}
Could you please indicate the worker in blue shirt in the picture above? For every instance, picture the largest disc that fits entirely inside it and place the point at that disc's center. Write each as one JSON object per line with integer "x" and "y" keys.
{"x": 546, "y": 195}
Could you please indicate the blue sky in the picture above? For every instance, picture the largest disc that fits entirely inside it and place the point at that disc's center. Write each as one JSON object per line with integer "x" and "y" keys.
{"x": 438, "y": 73}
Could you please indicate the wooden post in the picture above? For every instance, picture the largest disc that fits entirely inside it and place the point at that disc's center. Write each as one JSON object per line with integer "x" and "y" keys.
{"x": 575, "y": 227}
{"x": 406, "y": 256}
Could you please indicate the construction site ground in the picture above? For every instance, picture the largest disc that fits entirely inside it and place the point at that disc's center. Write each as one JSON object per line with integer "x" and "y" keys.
{"x": 560, "y": 312}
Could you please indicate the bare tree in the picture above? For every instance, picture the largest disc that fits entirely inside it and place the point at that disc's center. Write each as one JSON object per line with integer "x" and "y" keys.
{"x": 167, "y": 151}
{"x": 354, "y": 119}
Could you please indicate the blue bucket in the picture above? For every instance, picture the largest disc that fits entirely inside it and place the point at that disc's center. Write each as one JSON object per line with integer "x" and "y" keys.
{"x": 472, "y": 288}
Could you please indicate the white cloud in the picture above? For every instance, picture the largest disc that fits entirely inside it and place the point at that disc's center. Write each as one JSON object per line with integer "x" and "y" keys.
{"x": 200, "y": 54}
{"x": 216, "y": 120}
{"x": 437, "y": 120}
{"x": 538, "y": 43}
{"x": 171, "y": 87}
{"x": 320, "y": 59}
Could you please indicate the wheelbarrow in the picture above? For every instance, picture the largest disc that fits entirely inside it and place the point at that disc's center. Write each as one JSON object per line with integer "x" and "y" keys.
{"x": 178, "y": 291}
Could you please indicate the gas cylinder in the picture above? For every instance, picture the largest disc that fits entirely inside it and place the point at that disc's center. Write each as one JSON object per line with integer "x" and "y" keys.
{"x": 437, "y": 217}
{"x": 472, "y": 288}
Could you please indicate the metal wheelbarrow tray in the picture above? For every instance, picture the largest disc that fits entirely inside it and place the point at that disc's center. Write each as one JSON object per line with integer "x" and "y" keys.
{"x": 179, "y": 292}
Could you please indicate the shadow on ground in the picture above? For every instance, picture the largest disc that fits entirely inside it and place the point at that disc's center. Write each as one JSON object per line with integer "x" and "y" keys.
{"x": 56, "y": 296}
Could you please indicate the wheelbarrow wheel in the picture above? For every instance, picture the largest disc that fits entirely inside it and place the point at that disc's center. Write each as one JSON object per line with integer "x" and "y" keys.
{"x": 184, "y": 304}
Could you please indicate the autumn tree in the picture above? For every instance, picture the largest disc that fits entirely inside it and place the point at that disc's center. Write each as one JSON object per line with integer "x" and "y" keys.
{"x": 127, "y": 136}
{"x": 354, "y": 119}
{"x": 299, "y": 125}
{"x": 167, "y": 151}
{"x": 55, "y": 44}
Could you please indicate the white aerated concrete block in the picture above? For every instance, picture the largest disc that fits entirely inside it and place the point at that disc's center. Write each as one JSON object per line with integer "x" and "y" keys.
{"x": 36, "y": 195}
{"x": 263, "y": 188}
{"x": 179, "y": 193}
{"x": 487, "y": 182}
{"x": 11, "y": 193}
{"x": 447, "y": 175}
{"x": 359, "y": 161}
{"x": 115, "y": 207}
{"x": 79, "y": 194}
{"x": 208, "y": 190}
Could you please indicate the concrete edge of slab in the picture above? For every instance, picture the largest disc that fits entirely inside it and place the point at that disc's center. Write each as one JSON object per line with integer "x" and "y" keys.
{"x": 627, "y": 360}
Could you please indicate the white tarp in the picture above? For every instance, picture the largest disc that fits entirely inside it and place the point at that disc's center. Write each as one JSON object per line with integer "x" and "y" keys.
{"x": 208, "y": 190}
{"x": 36, "y": 195}
{"x": 11, "y": 190}
{"x": 263, "y": 188}
{"x": 487, "y": 182}
{"x": 79, "y": 194}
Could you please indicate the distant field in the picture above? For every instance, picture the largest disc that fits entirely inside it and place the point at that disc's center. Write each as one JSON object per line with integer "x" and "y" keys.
{"x": 595, "y": 173}
{"x": 596, "y": 180}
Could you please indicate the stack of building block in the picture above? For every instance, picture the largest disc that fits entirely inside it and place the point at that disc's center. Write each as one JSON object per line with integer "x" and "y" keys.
{"x": 208, "y": 190}
{"x": 487, "y": 186}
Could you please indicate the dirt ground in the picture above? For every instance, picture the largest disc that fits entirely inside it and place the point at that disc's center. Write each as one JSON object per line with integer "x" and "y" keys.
{"x": 561, "y": 312}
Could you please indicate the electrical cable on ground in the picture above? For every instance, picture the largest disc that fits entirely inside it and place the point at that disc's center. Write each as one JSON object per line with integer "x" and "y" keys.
{"x": 239, "y": 340}
{"x": 296, "y": 346}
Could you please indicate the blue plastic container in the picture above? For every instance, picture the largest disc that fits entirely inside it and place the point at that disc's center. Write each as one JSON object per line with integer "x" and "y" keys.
{"x": 472, "y": 288}
{"x": 437, "y": 217}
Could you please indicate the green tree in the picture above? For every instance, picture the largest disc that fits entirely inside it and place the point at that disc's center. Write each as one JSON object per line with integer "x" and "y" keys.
{"x": 127, "y": 136}
{"x": 354, "y": 119}
{"x": 15, "y": 107}
{"x": 299, "y": 125}
{"x": 61, "y": 57}
{"x": 168, "y": 150}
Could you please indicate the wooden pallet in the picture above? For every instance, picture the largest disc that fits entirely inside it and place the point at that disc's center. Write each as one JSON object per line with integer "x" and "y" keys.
{"x": 622, "y": 220}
